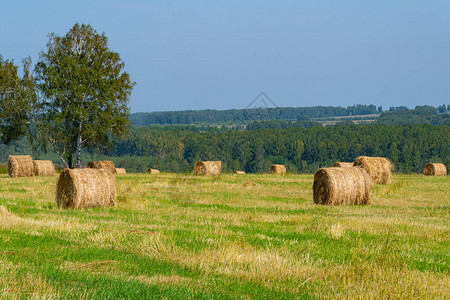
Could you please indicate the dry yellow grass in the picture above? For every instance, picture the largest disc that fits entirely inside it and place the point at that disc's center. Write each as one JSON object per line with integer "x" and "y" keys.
{"x": 178, "y": 235}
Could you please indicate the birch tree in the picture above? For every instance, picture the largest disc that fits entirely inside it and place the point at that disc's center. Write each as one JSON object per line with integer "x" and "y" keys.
{"x": 83, "y": 94}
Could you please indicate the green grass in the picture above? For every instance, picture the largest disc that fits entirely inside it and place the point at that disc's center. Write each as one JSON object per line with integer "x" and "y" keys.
{"x": 175, "y": 236}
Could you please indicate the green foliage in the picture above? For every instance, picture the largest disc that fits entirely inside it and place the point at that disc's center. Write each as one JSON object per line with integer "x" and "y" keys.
{"x": 16, "y": 97}
{"x": 85, "y": 94}
{"x": 410, "y": 147}
{"x": 175, "y": 149}
{"x": 175, "y": 236}
{"x": 238, "y": 116}
{"x": 280, "y": 124}
{"x": 420, "y": 115}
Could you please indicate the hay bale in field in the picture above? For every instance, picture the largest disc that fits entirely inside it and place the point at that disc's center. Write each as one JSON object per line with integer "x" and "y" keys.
{"x": 121, "y": 171}
{"x": 378, "y": 168}
{"x": 103, "y": 164}
{"x": 239, "y": 172}
{"x": 208, "y": 168}
{"x": 152, "y": 171}
{"x": 342, "y": 186}
{"x": 43, "y": 168}
{"x": 435, "y": 169}
{"x": 343, "y": 165}
{"x": 277, "y": 169}
{"x": 82, "y": 188}
{"x": 20, "y": 166}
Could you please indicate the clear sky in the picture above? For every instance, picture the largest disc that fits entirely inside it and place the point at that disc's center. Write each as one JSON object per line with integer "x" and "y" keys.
{"x": 221, "y": 54}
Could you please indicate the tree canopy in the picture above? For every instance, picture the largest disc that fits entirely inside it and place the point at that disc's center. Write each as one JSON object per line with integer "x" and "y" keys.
{"x": 16, "y": 98}
{"x": 84, "y": 94}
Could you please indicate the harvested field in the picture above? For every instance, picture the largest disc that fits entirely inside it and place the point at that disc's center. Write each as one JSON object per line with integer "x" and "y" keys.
{"x": 226, "y": 237}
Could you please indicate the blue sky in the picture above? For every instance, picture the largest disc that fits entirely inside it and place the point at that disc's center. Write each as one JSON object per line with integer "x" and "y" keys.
{"x": 221, "y": 54}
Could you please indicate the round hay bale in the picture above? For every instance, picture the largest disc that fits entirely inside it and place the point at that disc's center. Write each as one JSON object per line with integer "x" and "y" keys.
{"x": 208, "y": 168}
{"x": 152, "y": 171}
{"x": 336, "y": 186}
{"x": 378, "y": 168}
{"x": 239, "y": 172}
{"x": 43, "y": 168}
{"x": 102, "y": 164}
{"x": 121, "y": 171}
{"x": 435, "y": 169}
{"x": 343, "y": 165}
{"x": 20, "y": 166}
{"x": 82, "y": 188}
{"x": 277, "y": 169}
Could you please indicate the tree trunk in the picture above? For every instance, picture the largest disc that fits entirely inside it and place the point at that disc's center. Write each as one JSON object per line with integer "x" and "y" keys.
{"x": 69, "y": 161}
{"x": 66, "y": 165}
{"x": 79, "y": 150}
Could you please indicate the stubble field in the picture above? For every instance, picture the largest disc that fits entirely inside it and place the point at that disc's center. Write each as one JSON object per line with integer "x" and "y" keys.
{"x": 233, "y": 236}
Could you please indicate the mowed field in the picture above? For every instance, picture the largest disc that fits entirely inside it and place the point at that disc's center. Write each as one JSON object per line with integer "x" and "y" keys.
{"x": 233, "y": 236}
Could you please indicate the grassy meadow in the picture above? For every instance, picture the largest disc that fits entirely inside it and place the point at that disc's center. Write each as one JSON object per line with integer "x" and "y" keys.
{"x": 233, "y": 236}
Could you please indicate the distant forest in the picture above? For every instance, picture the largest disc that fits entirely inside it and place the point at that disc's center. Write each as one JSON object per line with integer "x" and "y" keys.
{"x": 303, "y": 150}
{"x": 302, "y": 145}
{"x": 396, "y": 115}
{"x": 246, "y": 115}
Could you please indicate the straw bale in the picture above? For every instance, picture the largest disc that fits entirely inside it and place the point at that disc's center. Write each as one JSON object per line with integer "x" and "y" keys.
{"x": 152, "y": 171}
{"x": 103, "y": 164}
{"x": 20, "y": 166}
{"x": 43, "y": 168}
{"x": 82, "y": 188}
{"x": 239, "y": 172}
{"x": 277, "y": 169}
{"x": 121, "y": 171}
{"x": 378, "y": 168}
{"x": 208, "y": 168}
{"x": 343, "y": 165}
{"x": 342, "y": 186}
{"x": 435, "y": 169}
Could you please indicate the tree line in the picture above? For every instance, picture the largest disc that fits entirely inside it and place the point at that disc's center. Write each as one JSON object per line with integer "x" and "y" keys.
{"x": 248, "y": 115}
{"x": 425, "y": 114}
{"x": 293, "y": 116}
{"x": 302, "y": 150}
{"x": 175, "y": 149}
